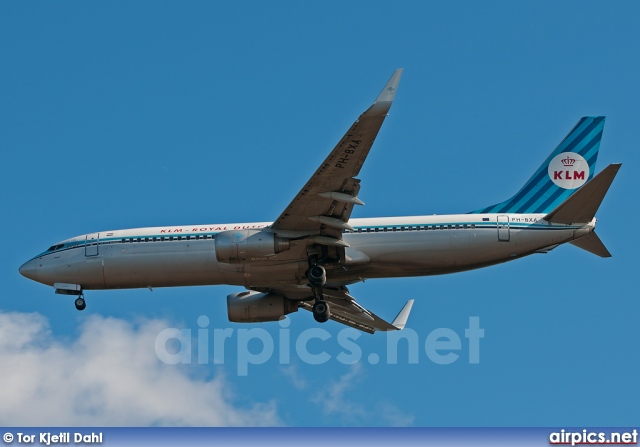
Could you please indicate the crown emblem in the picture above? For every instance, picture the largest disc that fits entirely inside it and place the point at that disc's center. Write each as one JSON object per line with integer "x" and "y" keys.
{"x": 568, "y": 161}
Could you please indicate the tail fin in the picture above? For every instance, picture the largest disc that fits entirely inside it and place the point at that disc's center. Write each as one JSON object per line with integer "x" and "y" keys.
{"x": 582, "y": 206}
{"x": 568, "y": 167}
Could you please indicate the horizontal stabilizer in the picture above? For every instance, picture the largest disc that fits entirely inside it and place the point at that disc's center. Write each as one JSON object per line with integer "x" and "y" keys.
{"x": 582, "y": 205}
{"x": 592, "y": 244}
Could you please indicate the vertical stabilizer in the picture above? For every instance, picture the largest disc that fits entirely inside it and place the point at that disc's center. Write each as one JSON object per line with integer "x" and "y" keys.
{"x": 582, "y": 206}
{"x": 568, "y": 167}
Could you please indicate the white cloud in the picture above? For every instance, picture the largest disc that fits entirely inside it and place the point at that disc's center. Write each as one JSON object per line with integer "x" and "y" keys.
{"x": 108, "y": 375}
{"x": 292, "y": 373}
{"x": 393, "y": 416}
{"x": 333, "y": 400}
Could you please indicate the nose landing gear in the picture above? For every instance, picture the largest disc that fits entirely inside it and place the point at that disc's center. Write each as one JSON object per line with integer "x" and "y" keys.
{"x": 74, "y": 290}
{"x": 80, "y": 303}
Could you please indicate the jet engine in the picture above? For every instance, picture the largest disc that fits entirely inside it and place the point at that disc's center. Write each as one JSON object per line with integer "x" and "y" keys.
{"x": 248, "y": 245}
{"x": 255, "y": 307}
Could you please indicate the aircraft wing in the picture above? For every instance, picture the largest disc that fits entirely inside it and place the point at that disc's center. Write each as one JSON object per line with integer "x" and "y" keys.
{"x": 323, "y": 206}
{"x": 343, "y": 307}
{"x": 322, "y": 209}
{"x": 345, "y": 310}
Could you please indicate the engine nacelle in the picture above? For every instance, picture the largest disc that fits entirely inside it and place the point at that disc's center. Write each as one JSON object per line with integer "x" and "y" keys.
{"x": 248, "y": 245}
{"x": 256, "y": 307}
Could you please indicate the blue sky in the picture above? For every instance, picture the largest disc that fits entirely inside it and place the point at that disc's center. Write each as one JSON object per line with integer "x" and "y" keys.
{"x": 120, "y": 115}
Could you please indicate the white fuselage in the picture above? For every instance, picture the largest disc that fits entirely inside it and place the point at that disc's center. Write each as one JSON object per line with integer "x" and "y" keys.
{"x": 378, "y": 248}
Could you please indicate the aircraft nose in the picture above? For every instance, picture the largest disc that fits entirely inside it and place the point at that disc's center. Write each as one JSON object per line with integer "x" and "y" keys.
{"x": 29, "y": 270}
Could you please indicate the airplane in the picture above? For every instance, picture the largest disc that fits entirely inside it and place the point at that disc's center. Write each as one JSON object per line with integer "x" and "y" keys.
{"x": 307, "y": 257}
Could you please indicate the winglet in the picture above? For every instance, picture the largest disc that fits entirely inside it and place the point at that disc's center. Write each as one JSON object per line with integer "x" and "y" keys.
{"x": 401, "y": 320}
{"x": 389, "y": 91}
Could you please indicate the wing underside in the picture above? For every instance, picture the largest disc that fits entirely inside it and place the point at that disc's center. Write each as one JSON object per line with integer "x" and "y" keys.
{"x": 324, "y": 204}
{"x": 346, "y": 310}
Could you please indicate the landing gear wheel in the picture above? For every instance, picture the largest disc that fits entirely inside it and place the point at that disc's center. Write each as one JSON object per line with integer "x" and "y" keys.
{"x": 321, "y": 311}
{"x": 317, "y": 276}
{"x": 80, "y": 303}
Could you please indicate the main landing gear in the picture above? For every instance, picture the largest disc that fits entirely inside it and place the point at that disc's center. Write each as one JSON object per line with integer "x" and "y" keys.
{"x": 318, "y": 278}
{"x": 321, "y": 311}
